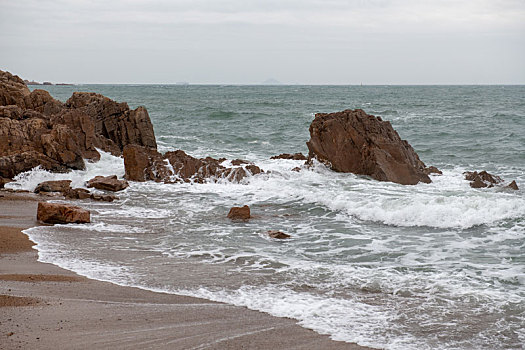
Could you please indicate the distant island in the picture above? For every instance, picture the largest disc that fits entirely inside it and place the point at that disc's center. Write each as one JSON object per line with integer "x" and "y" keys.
{"x": 32, "y": 82}
{"x": 271, "y": 81}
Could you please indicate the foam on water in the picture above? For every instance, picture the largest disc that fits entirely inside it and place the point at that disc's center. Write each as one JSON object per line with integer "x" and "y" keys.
{"x": 431, "y": 266}
{"x": 107, "y": 165}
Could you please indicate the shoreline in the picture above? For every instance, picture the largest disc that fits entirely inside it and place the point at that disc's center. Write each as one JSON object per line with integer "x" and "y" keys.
{"x": 47, "y": 307}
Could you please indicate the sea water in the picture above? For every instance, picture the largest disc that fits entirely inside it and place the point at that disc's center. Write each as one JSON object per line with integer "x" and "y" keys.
{"x": 430, "y": 266}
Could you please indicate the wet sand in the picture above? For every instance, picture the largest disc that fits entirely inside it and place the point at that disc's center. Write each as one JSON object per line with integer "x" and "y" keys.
{"x": 45, "y": 307}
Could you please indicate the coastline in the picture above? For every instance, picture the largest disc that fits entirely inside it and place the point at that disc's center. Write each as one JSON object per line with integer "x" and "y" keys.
{"x": 47, "y": 307}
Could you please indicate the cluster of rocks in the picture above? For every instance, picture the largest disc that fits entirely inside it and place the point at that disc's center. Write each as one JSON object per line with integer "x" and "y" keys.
{"x": 484, "y": 179}
{"x": 37, "y": 130}
{"x": 143, "y": 164}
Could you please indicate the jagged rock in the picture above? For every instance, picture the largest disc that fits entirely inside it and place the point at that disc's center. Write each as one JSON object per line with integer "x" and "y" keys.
{"x": 355, "y": 142}
{"x": 297, "y": 169}
{"x": 54, "y": 186}
{"x": 513, "y": 185}
{"x": 107, "y": 183}
{"x": 103, "y": 197}
{"x": 278, "y": 234}
{"x": 482, "y": 179}
{"x": 239, "y": 213}
{"x": 143, "y": 164}
{"x": 295, "y": 156}
{"x": 432, "y": 170}
{"x": 54, "y": 213}
{"x": 36, "y": 129}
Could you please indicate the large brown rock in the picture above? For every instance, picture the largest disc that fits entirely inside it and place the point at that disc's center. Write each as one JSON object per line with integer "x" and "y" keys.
{"x": 295, "y": 156}
{"x": 143, "y": 164}
{"x": 36, "y": 129}
{"x": 107, "y": 183}
{"x": 355, "y": 142}
{"x": 482, "y": 179}
{"x": 55, "y": 213}
{"x": 239, "y": 213}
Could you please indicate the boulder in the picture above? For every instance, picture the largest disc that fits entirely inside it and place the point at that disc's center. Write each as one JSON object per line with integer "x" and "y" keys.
{"x": 295, "y": 156}
{"x": 37, "y": 130}
{"x": 237, "y": 162}
{"x": 54, "y": 186}
{"x": 355, "y": 142}
{"x": 143, "y": 164}
{"x": 78, "y": 193}
{"x": 482, "y": 179}
{"x": 239, "y": 213}
{"x": 278, "y": 234}
{"x": 107, "y": 183}
{"x": 55, "y": 213}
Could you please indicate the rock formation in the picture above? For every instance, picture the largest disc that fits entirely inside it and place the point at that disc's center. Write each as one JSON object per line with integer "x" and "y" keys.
{"x": 37, "y": 130}
{"x": 278, "y": 234}
{"x": 295, "y": 156}
{"x": 482, "y": 179}
{"x": 353, "y": 141}
{"x": 54, "y": 186}
{"x": 143, "y": 164}
{"x": 107, "y": 183}
{"x": 239, "y": 213}
{"x": 54, "y": 213}
{"x": 513, "y": 185}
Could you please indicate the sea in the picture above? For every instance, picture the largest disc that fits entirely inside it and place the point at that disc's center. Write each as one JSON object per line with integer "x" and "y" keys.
{"x": 428, "y": 266}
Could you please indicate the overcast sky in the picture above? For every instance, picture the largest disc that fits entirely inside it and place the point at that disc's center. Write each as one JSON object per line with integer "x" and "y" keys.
{"x": 244, "y": 41}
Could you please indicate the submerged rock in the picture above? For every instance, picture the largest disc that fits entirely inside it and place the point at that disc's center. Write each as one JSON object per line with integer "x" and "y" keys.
{"x": 239, "y": 213}
{"x": 77, "y": 193}
{"x": 355, "y": 142}
{"x": 54, "y": 213}
{"x": 37, "y": 130}
{"x": 107, "y": 183}
{"x": 482, "y": 179}
{"x": 295, "y": 156}
{"x": 278, "y": 234}
{"x": 513, "y": 186}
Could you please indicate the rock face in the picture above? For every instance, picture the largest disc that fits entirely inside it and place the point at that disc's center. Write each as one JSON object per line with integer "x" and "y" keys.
{"x": 143, "y": 164}
{"x": 36, "y": 129}
{"x": 107, "y": 183}
{"x": 239, "y": 213}
{"x": 295, "y": 156}
{"x": 54, "y": 213}
{"x": 482, "y": 179}
{"x": 355, "y": 142}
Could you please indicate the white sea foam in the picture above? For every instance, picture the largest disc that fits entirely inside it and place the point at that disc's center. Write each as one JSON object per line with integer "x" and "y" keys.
{"x": 107, "y": 165}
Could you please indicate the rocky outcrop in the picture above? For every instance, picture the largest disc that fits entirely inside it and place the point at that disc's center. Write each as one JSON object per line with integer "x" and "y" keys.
{"x": 513, "y": 186}
{"x": 37, "y": 130}
{"x": 239, "y": 213}
{"x": 355, "y": 142}
{"x": 143, "y": 164}
{"x": 482, "y": 179}
{"x": 295, "y": 156}
{"x": 107, "y": 183}
{"x": 278, "y": 234}
{"x": 54, "y": 213}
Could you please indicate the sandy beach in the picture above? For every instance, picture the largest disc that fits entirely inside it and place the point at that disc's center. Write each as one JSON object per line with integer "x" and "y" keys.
{"x": 46, "y": 307}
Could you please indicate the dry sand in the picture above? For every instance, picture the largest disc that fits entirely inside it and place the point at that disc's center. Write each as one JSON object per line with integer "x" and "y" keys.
{"x": 45, "y": 307}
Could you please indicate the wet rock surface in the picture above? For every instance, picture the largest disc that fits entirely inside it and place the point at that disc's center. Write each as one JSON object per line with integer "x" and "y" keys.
{"x": 107, "y": 183}
{"x": 355, "y": 142}
{"x": 277, "y": 234}
{"x": 482, "y": 179}
{"x": 295, "y": 156}
{"x": 55, "y": 213}
{"x": 239, "y": 213}
{"x": 143, "y": 164}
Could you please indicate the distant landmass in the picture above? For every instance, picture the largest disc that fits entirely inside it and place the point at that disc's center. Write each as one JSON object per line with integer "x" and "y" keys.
{"x": 32, "y": 82}
{"x": 271, "y": 81}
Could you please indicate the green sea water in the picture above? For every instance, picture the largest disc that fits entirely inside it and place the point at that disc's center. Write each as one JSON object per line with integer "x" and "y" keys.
{"x": 431, "y": 266}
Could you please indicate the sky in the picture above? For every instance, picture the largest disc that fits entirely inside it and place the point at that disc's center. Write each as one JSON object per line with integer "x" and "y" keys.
{"x": 248, "y": 42}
